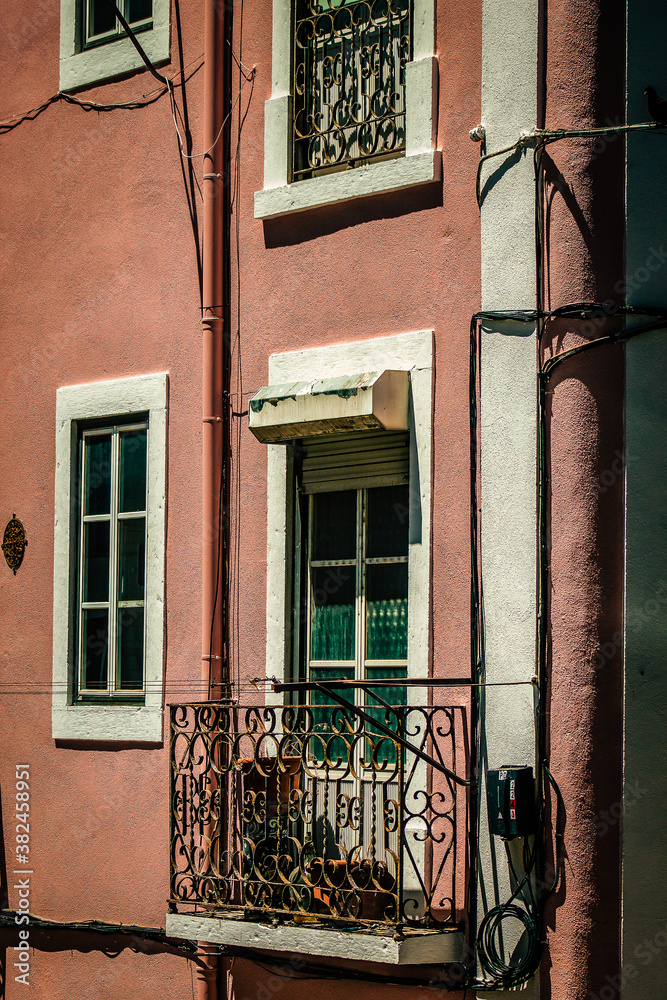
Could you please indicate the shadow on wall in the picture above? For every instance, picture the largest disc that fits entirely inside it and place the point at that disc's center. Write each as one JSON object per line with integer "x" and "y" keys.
{"x": 301, "y": 227}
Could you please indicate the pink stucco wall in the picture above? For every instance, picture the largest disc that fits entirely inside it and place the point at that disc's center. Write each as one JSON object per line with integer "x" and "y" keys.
{"x": 98, "y": 255}
{"x": 99, "y": 281}
{"x": 584, "y": 88}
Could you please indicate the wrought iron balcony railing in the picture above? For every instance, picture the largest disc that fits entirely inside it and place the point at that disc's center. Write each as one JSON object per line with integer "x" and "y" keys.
{"x": 313, "y": 810}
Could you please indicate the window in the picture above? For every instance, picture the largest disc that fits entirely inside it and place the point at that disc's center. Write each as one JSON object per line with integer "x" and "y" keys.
{"x": 400, "y": 502}
{"x": 99, "y": 23}
{"x": 354, "y": 85}
{"x": 353, "y": 606}
{"x": 349, "y": 82}
{"x": 112, "y": 546}
{"x": 94, "y": 46}
{"x": 109, "y": 551}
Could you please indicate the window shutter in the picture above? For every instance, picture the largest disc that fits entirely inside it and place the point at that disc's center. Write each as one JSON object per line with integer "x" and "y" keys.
{"x": 354, "y": 461}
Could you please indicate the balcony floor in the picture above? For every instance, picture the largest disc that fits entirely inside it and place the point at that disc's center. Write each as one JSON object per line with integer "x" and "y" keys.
{"x": 377, "y": 944}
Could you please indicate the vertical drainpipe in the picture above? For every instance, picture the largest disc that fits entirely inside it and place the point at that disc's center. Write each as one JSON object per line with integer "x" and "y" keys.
{"x": 213, "y": 580}
{"x": 213, "y": 188}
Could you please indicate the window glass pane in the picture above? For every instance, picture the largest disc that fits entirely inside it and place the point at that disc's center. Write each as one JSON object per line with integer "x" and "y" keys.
{"x": 98, "y": 473}
{"x": 102, "y": 17}
{"x": 131, "y": 558}
{"x": 96, "y": 561}
{"x": 131, "y": 649}
{"x": 387, "y": 612}
{"x": 387, "y": 528}
{"x": 334, "y": 525}
{"x": 139, "y": 10}
{"x": 132, "y": 471}
{"x": 392, "y": 695}
{"x": 383, "y": 746}
{"x": 332, "y": 614}
{"x": 95, "y": 651}
{"x": 326, "y": 745}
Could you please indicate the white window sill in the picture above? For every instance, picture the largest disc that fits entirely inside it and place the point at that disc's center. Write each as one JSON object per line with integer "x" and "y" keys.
{"x": 419, "y": 947}
{"x": 108, "y": 723}
{"x": 345, "y": 185}
{"x": 112, "y": 60}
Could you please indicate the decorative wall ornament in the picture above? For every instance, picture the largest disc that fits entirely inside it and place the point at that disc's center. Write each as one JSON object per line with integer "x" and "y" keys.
{"x": 14, "y": 542}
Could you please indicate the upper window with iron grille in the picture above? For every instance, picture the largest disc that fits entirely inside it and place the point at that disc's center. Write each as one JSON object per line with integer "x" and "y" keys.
{"x": 349, "y": 82}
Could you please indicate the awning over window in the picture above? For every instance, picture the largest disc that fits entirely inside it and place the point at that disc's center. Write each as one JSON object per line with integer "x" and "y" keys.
{"x": 368, "y": 401}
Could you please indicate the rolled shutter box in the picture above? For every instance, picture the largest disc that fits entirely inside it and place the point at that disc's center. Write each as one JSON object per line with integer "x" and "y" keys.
{"x": 363, "y": 402}
{"x": 354, "y": 461}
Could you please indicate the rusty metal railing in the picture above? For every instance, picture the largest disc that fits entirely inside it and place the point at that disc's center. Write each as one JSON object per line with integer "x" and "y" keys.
{"x": 312, "y": 810}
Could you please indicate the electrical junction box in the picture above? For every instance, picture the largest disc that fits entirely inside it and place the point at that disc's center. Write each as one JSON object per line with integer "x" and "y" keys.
{"x": 510, "y": 796}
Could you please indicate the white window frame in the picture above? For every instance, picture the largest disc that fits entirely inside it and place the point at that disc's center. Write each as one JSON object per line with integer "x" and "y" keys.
{"x": 421, "y": 163}
{"x": 107, "y": 722}
{"x": 116, "y": 31}
{"x": 411, "y": 352}
{"x": 114, "y": 608}
{"x": 82, "y": 67}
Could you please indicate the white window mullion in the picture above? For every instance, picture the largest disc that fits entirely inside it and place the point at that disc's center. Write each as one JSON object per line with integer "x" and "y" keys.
{"x": 309, "y": 590}
{"x": 113, "y": 560}
{"x": 360, "y": 632}
{"x": 82, "y": 542}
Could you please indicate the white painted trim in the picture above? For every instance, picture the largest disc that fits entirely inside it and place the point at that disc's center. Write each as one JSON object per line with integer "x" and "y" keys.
{"x": 416, "y": 948}
{"x": 123, "y": 397}
{"x": 411, "y": 352}
{"x": 278, "y": 166}
{"x": 392, "y": 175}
{"x": 420, "y": 165}
{"x": 104, "y": 62}
{"x": 508, "y": 413}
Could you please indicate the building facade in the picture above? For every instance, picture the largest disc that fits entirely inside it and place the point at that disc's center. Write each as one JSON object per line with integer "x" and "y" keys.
{"x": 333, "y": 486}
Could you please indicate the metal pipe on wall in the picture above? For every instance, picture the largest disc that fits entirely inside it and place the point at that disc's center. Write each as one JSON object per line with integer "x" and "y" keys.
{"x": 213, "y": 188}
{"x": 213, "y": 423}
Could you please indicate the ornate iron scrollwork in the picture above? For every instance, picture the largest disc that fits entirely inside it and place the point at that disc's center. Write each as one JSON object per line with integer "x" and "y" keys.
{"x": 349, "y": 81}
{"x": 14, "y": 543}
{"x": 296, "y": 810}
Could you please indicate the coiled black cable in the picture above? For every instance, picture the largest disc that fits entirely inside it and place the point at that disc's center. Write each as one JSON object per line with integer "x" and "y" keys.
{"x": 511, "y": 972}
{"x": 490, "y": 949}
{"x": 523, "y": 906}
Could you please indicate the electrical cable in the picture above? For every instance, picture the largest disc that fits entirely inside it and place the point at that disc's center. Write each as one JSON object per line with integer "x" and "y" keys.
{"x": 508, "y": 973}
{"x": 544, "y": 137}
{"x": 195, "y": 156}
{"x": 235, "y": 364}
{"x": 13, "y": 121}
{"x": 490, "y": 950}
{"x": 157, "y": 934}
{"x": 132, "y": 37}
